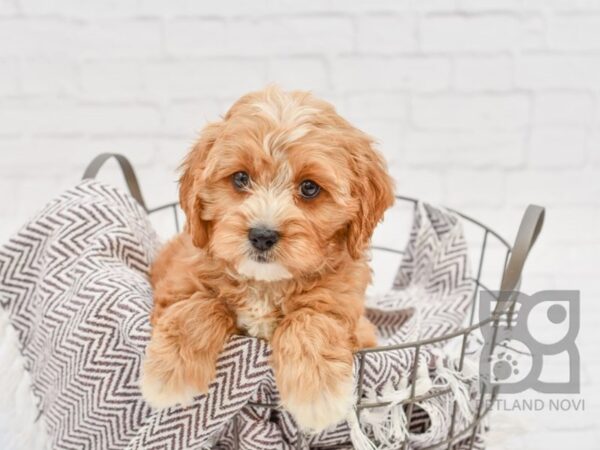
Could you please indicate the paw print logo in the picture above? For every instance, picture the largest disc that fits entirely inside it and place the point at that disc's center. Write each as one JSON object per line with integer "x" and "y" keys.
{"x": 509, "y": 364}
{"x": 541, "y": 326}
{"x": 504, "y": 368}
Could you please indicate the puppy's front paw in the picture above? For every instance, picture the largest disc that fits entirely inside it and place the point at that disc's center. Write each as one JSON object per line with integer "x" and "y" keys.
{"x": 181, "y": 357}
{"x": 168, "y": 380}
{"x": 164, "y": 389}
{"x": 312, "y": 360}
{"x": 323, "y": 408}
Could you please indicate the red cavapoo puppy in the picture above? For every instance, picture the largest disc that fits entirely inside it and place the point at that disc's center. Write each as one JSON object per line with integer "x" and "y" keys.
{"x": 281, "y": 198}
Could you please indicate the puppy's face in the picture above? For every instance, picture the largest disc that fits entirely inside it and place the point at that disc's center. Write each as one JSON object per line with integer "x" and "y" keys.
{"x": 283, "y": 186}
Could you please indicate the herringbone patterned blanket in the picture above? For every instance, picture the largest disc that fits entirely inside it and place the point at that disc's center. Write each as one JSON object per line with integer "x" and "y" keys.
{"x": 74, "y": 282}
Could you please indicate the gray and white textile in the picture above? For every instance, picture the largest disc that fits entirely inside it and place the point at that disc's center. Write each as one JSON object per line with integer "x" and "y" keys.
{"x": 74, "y": 283}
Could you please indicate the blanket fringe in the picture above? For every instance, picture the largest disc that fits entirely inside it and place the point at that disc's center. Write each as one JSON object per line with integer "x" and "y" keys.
{"x": 457, "y": 381}
{"x": 360, "y": 441}
{"x": 388, "y": 424}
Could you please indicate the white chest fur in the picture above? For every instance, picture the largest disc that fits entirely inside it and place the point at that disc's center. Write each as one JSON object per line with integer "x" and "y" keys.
{"x": 260, "y": 313}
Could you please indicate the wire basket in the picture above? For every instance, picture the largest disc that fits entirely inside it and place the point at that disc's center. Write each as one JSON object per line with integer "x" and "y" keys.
{"x": 512, "y": 260}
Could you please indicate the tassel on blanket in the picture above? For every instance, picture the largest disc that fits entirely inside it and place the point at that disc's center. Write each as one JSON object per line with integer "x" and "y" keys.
{"x": 360, "y": 441}
{"x": 398, "y": 429}
{"x": 458, "y": 382}
{"x": 389, "y": 423}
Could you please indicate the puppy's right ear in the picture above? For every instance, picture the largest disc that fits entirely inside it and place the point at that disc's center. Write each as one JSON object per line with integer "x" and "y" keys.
{"x": 190, "y": 185}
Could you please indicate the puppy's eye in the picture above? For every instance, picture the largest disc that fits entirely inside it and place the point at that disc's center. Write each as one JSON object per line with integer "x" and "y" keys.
{"x": 240, "y": 180}
{"x": 309, "y": 189}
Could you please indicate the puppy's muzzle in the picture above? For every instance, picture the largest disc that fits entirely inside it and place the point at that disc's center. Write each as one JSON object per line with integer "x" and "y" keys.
{"x": 262, "y": 239}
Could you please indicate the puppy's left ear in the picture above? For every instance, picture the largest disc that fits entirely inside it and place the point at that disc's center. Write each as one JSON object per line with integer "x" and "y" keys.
{"x": 190, "y": 185}
{"x": 373, "y": 189}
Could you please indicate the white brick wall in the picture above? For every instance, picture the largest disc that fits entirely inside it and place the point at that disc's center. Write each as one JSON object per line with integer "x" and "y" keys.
{"x": 485, "y": 105}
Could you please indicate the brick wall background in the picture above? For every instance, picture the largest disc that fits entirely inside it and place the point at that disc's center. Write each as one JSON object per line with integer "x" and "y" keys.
{"x": 483, "y": 105}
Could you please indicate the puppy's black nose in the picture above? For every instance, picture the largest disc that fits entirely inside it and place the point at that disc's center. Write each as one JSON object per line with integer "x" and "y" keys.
{"x": 262, "y": 238}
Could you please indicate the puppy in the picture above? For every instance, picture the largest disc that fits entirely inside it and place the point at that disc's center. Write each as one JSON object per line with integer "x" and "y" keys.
{"x": 281, "y": 198}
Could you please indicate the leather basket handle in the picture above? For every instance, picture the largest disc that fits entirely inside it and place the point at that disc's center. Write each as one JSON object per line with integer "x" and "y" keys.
{"x": 126, "y": 168}
{"x": 529, "y": 230}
